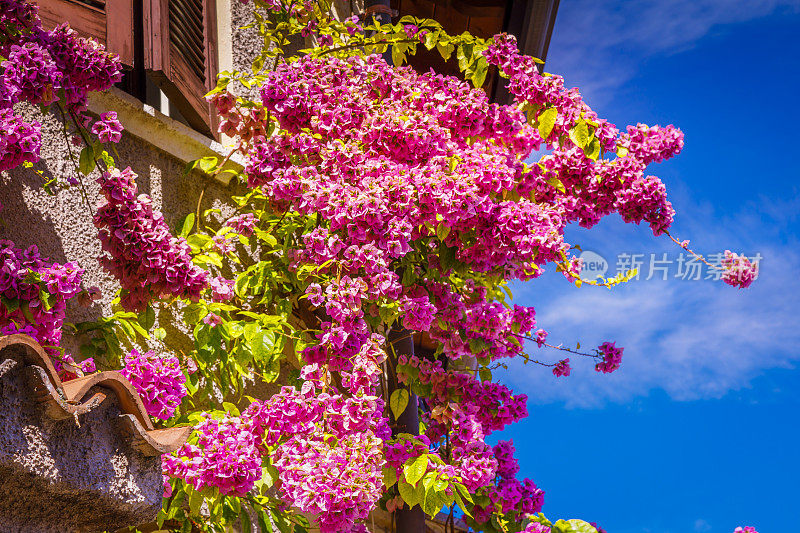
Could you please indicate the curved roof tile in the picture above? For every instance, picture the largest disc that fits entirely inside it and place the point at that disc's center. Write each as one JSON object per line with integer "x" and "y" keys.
{"x": 81, "y": 395}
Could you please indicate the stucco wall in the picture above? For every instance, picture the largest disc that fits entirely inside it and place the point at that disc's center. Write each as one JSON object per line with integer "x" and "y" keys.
{"x": 61, "y": 225}
{"x": 68, "y": 475}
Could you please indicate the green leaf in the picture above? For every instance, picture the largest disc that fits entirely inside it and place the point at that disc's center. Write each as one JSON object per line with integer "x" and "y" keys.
{"x": 413, "y": 472}
{"x": 462, "y": 505}
{"x": 442, "y": 231}
{"x": 431, "y": 39}
{"x": 462, "y": 490}
{"x": 592, "y": 150}
{"x": 389, "y": 476}
{"x": 434, "y": 501}
{"x": 206, "y": 164}
{"x": 230, "y": 408}
{"x": 86, "y": 162}
{"x": 555, "y": 182}
{"x": 408, "y": 493}
{"x": 280, "y": 520}
{"x": 127, "y": 328}
{"x": 197, "y": 241}
{"x": 547, "y": 121}
{"x": 266, "y": 237}
{"x": 44, "y": 297}
{"x": 398, "y": 56}
{"x": 209, "y": 259}
{"x": 477, "y": 345}
{"x": 447, "y": 257}
{"x": 580, "y": 134}
{"x": 479, "y": 76}
{"x": 398, "y": 402}
{"x": 263, "y": 344}
{"x": 147, "y": 318}
{"x": 408, "y": 278}
{"x": 573, "y": 526}
{"x": 268, "y": 475}
{"x": 88, "y": 350}
{"x": 486, "y": 374}
{"x": 195, "y": 502}
{"x": 11, "y": 304}
{"x": 445, "y": 49}
{"x": 138, "y": 329}
{"x": 187, "y": 225}
{"x": 264, "y": 522}
{"x": 244, "y": 520}
{"x": 251, "y": 329}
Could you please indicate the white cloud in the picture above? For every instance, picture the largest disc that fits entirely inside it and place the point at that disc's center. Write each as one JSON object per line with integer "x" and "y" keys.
{"x": 599, "y": 45}
{"x": 701, "y": 526}
{"x": 691, "y": 339}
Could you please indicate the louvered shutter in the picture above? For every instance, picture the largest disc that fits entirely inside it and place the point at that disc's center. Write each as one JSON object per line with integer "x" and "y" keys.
{"x": 180, "y": 53}
{"x": 110, "y": 22}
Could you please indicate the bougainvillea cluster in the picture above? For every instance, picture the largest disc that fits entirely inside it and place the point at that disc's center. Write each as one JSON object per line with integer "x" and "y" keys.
{"x": 491, "y": 404}
{"x": 411, "y": 202}
{"x": 328, "y": 444}
{"x": 244, "y": 224}
{"x": 611, "y": 358}
{"x": 423, "y": 200}
{"x": 108, "y": 128}
{"x": 224, "y": 456}
{"x": 44, "y": 67}
{"x": 221, "y": 289}
{"x": 147, "y": 260}
{"x": 158, "y": 379}
{"x": 510, "y": 496}
{"x": 738, "y": 270}
{"x": 562, "y": 368}
{"x": 34, "y": 293}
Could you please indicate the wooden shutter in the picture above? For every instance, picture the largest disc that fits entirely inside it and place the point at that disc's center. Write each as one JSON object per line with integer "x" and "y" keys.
{"x": 110, "y": 22}
{"x": 180, "y": 54}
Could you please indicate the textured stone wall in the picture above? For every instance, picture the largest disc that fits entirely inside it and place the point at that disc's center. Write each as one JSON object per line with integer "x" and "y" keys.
{"x": 69, "y": 475}
{"x": 58, "y": 476}
{"x": 61, "y": 225}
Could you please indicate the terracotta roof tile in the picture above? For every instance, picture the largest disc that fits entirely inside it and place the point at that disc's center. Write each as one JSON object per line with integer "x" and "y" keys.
{"x": 79, "y": 396}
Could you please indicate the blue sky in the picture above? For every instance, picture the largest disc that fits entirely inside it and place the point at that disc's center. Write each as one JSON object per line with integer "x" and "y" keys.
{"x": 698, "y": 431}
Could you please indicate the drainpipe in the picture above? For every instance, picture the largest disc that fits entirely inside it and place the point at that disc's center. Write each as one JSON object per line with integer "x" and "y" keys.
{"x": 402, "y": 340}
{"x": 380, "y": 11}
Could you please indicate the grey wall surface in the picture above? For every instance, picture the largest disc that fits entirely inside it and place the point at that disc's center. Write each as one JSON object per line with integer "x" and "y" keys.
{"x": 61, "y": 225}
{"x": 69, "y": 475}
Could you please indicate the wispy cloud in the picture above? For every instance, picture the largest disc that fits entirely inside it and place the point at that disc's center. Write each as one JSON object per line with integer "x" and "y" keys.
{"x": 599, "y": 45}
{"x": 701, "y": 526}
{"x": 691, "y": 339}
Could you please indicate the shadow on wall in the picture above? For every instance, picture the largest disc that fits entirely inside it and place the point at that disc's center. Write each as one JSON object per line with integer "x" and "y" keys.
{"x": 69, "y": 474}
{"x": 61, "y": 224}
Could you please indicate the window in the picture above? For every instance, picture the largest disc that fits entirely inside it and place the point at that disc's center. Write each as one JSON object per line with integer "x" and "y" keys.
{"x": 169, "y": 49}
{"x": 181, "y": 55}
{"x": 110, "y": 22}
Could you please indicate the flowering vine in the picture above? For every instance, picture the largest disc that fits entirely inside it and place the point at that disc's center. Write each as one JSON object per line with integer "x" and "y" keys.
{"x": 376, "y": 202}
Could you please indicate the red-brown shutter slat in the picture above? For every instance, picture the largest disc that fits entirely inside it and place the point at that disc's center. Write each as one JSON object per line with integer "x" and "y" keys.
{"x": 181, "y": 55}
{"x": 109, "y": 22}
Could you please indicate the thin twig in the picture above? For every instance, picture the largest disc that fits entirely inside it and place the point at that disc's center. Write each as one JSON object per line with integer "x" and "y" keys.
{"x": 72, "y": 158}
{"x": 695, "y": 254}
